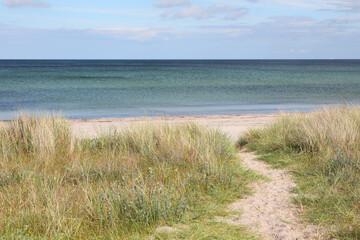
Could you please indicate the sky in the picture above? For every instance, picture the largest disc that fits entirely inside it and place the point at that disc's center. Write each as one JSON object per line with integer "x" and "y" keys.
{"x": 180, "y": 29}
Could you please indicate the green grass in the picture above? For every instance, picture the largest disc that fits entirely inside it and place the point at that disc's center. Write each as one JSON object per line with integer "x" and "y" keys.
{"x": 322, "y": 149}
{"x": 117, "y": 186}
{"x": 208, "y": 231}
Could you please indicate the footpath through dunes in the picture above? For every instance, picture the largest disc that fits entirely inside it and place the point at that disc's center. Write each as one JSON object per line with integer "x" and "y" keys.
{"x": 269, "y": 211}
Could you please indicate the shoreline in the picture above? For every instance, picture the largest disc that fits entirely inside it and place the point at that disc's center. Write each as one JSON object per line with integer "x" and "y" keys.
{"x": 219, "y": 110}
{"x": 233, "y": 125}
{"x": 169, "y": 118}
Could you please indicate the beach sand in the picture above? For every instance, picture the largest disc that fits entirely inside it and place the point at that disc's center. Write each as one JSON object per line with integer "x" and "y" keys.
{"x": 233, "y": 125}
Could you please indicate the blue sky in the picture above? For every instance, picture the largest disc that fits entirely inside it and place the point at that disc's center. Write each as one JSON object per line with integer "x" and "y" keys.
{"x": 179, "y": 29}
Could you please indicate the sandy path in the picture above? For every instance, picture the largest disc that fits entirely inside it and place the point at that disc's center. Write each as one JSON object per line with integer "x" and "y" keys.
{"x": 269, "y": 211}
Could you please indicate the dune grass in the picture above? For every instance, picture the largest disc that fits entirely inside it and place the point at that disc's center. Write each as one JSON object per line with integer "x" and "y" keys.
{"x": 208, "y": 230}
{"x": 323, "y": 150}
{"x": 117, "y": 186}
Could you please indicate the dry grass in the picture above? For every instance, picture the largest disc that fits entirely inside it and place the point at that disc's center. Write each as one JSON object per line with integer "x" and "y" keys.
{"x": 323, "y": 149}
{"x": 122, "y": 185}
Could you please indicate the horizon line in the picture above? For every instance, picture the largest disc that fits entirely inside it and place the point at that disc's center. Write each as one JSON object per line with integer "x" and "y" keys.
{"x": 174, "y": 59}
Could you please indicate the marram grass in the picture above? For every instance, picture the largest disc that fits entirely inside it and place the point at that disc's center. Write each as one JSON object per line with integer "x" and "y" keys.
{"x": 120, "y": 185}
{"x": 323, "y": 150}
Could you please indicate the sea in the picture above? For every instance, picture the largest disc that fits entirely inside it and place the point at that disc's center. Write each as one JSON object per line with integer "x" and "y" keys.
{"x": 82, "y": 89}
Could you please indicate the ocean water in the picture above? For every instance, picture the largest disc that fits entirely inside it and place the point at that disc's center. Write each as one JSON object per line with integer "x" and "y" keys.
{"x": 130, "y": 88}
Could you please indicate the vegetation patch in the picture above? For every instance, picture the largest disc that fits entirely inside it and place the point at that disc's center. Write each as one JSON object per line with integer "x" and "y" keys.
{"x": 323, "y": 150}
{"x": 122, "y": 185}
{"x": 210, "y": 231}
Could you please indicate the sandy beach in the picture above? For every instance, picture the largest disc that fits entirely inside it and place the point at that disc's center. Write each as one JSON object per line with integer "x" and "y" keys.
{"x": 233, "y": 125}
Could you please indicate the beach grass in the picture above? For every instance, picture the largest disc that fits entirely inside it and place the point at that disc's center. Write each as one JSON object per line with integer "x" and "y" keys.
{"x": 121, "y": 185}
{"x": 323, "y": 151}
{"x": 208, "y": 230}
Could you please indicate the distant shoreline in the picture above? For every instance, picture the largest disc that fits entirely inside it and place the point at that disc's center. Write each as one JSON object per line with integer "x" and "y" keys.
{"x": 152, "y": 115}
{"x": 233, "y": 125}
{"x": 169, "y": 117}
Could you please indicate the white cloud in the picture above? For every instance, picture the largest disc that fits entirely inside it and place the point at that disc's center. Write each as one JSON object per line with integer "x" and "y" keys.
{"x": 25, "y": 3}
{"x": 292, "y": 21}
{"x": 301, "y": 51}
{"x": 307, "y": 4}
{"x": 227, "y": 31}
{"x": 345, "y": 5}
{"x": 119, "y": 33}
{"x": 127, "y": 12}
{"x": 138, "y": 34}
{"x": 305, "y": 28}
{"x": 171, "y": 3}
{"x": 195, "y": 11}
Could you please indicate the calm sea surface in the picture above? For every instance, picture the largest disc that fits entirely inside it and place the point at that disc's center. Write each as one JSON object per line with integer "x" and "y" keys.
{"x": 124, "y": 88}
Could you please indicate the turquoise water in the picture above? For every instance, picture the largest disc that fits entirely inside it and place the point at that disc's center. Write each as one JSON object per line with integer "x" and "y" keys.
{"x": 122, "y": 88}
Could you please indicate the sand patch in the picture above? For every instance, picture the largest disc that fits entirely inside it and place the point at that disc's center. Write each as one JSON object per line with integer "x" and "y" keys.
{"x": 269, "y": 210}
{"x": 233, "y": 125}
